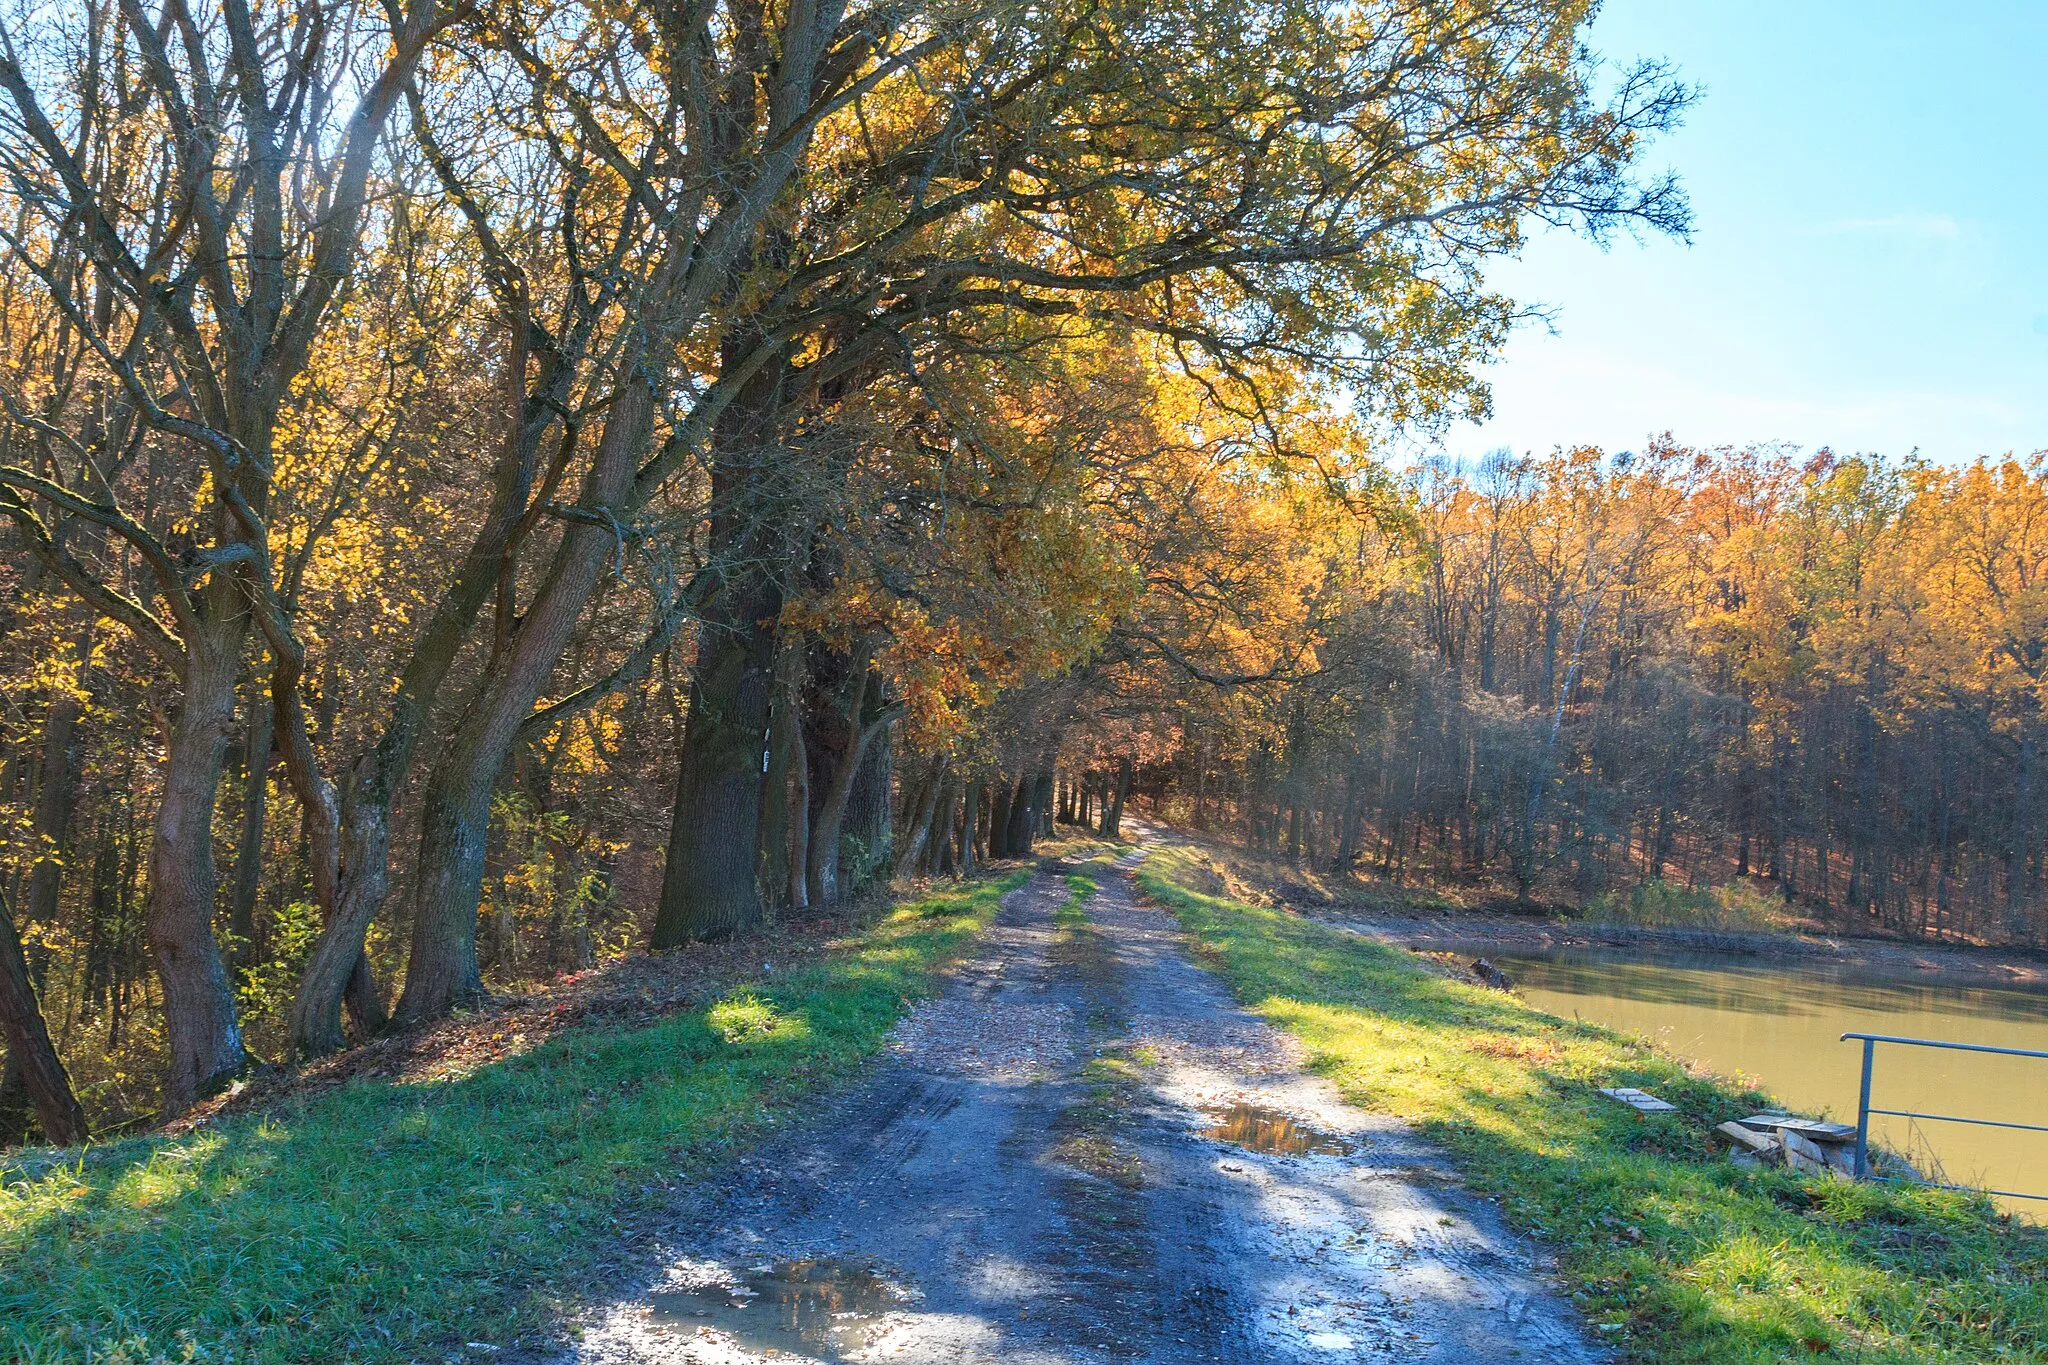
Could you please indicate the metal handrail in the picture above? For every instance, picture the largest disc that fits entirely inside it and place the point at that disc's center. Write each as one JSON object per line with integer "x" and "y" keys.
{"x": 1864, "y": 1111}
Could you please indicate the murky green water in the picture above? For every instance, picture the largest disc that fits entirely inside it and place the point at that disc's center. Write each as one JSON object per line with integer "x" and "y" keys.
{"x": 1780, "y": 1023}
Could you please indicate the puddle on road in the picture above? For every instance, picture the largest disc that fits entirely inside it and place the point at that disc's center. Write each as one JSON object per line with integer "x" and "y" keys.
{"x": 1257, "y": 1128}
{"x": 817, "y": 1307}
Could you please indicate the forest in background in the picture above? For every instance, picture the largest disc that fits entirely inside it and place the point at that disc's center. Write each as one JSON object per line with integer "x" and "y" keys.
{"x": 1577, "y": 677}
{"x": 487, "y": 488}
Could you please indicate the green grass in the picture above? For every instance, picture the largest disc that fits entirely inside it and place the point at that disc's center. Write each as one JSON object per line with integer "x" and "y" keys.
{"x": 388, "y": 1222}
{"x": 1071, "y": 916}
{"x": 1679, "y": 1254}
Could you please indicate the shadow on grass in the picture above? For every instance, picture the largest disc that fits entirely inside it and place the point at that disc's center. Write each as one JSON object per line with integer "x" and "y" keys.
{"x": 1675, "y": 1252}
{"x": 381, "y": 1220}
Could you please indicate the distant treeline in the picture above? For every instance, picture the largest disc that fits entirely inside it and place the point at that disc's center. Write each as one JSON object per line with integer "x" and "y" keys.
{"x": 1593, "y": 672}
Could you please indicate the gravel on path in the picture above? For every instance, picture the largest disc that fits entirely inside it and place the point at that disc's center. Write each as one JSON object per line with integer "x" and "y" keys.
{"x": 1083, "y": 1151}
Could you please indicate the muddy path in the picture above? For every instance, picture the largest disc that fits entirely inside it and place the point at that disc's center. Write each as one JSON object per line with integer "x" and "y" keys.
{"x": 1083, "y": 1151}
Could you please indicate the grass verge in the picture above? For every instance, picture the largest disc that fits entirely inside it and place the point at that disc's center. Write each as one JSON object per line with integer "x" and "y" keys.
{"x": 1675, "y": 1253}
{"x": 1086, "y": 1129}
{"x": 386, "y": 1221}
{"x": 1071, "y": 915}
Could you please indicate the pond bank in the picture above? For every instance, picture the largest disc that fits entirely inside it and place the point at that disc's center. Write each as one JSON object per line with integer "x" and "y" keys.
{"x": 1511, "y": 933}
{"x": 1779, "y": 1019}
{"x": 1674, "y": 1252}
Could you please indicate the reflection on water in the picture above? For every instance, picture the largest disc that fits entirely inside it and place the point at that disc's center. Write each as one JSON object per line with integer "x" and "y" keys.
{"x": 1256, "y": 1128}
{"x": 821, "y": 1307}
{"x": 1781, "y": 1024}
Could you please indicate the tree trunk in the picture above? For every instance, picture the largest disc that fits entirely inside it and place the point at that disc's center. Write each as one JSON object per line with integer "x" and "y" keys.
{"x": 918, "y": 820}
{"x": 337, "y": 972}
{"x": 826, "y": 882}
{"x": 357, "y": 826}
{"x": 1113, "y": 806}
{"x": 30, "y": 1054}
{"x": 1041, "y": 803}
{"x": 1126, "y": 770}
{"x": 442, "y": 969}
{"x": 204, "y": 1036}
{"x": 1297, "y": 764}
{"x": 1017, "y": 837}
{"x": 348, "y": 847}
{"x": 711, "y": 877}
{"x": 799, "y": 798}
{"x": 56, "y": 798}
{"x": 970, "y": 817}
{"x": 249, "y": 847}
{"x": 850, "y": 709}
{"x": 443, "y": 972}
{"x": 18, "y": 1124}
{"x": 1347, "y": 830}
{"x": 710, "y": 886}
{"x": 785, "y": 760}
{"x": 868, "y": 831}
{"x": 942, "y": 860}
{"x": 2021, "y": 833}
{"x": 999, "y": 819}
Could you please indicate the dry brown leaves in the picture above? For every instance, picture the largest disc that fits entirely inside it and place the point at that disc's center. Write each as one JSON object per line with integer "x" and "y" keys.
{"x": 1516, "y": 1049}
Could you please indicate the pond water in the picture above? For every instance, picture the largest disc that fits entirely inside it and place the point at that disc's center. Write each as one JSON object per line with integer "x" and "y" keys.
{"x": 1780, "y": 1023}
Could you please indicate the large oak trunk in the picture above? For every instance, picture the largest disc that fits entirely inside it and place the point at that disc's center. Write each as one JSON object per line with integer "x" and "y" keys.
{"x": 785, "y": 764}
{"x": 868, "y": 834}
{"x": 199, "y": 1001}
{"x": 1022, "y": 822}
{"x": 710, "y": 885}
{"x": 249, "y": 848}
{"x": 454, "y": 835}
{"x": 711, "y": 878}
{"x": 920, "y": 811}
{"x": 999, "y": 819}
{"x": 455, "y": 819}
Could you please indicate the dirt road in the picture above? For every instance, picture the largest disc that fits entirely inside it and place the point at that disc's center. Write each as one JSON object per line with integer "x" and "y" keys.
{"x": 1085, "y": 1152}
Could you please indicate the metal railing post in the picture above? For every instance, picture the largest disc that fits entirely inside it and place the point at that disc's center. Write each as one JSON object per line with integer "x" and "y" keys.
{"x": 1863, "y": 1112}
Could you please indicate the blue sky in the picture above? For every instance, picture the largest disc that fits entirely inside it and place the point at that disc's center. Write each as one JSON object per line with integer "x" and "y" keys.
{"x": 1869, "y": 268}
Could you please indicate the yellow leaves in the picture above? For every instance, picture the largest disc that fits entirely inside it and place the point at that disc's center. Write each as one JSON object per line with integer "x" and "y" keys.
{"x": 1966, "y": 580}
{"x": 58, "y": 671}
{"x": 941, "y": 676}
{"x": 1916, "y": 586}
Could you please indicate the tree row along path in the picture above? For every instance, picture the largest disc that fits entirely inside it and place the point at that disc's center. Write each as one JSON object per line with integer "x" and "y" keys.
{"x": 1084, "y": 1151}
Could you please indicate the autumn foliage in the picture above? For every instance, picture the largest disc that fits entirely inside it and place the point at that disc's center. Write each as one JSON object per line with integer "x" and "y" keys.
{"x": 492, "y": 485}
